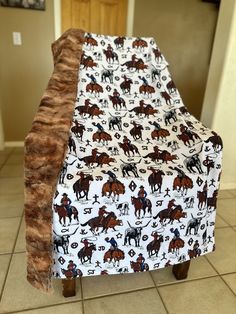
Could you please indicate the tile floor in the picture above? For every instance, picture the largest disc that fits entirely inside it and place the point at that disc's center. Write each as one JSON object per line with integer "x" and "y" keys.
{"x": 210, "y": 287}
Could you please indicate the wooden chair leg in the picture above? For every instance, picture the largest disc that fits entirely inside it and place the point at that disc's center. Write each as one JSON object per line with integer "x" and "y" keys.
{"x": 68, "y": 286}
{"x": 181, "y": 270}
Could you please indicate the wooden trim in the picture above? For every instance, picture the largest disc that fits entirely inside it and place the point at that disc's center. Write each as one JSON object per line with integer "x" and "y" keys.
{"x": 65, "y": 11}
{"x": 57, "y": 18}
{"x": 130, "y": 18}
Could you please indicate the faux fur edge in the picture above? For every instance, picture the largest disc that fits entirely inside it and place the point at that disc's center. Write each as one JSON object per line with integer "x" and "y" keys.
{"x": 45, "y": 149}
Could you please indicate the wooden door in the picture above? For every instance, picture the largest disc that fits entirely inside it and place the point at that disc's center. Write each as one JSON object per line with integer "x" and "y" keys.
{"x": 97, "y": 16}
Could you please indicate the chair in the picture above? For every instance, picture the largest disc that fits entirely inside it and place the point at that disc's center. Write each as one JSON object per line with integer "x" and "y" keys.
{"x": 119, "y": 176}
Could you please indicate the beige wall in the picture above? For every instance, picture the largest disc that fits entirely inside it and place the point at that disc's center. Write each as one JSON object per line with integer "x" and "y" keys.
{"x": 1, "y": 131}
{"x": 24, "y": 70}
{"x": 219, "y": 109}
{"x": 184, "y": 31}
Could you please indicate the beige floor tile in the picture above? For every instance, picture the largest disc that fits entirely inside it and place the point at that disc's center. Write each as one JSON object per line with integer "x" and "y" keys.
{"x": 233, "y": 191}
{"x": 220, "y": 222}
{"x": 138, "y": 302}
{"x": 210, "y": 295}
{"x": 3, "y": 159}
{"x": 69, "y": 308}
{"x": 199, "y": 268}
{"x": 6, "y": 151}
{"x": 4, "y": 261}
{"x": 11, "y": 205}
{"x": 20, "y": 243}
{"x": 11, "y": 186}
{"x": 4, "y": 155}
{"x": 231, "y": 281}
{"x": 15, "y": 159}
{"x": 225, "y": 194}
{"x": 227, "y": 210}
{"x": 10, "y": 171}
{"x": 18, "y": 150}
{"x": 104, "y": 285}
{"x": 26, "y": 296}
{"x": 8, "y": 233}
{"x": 224, "y": 257}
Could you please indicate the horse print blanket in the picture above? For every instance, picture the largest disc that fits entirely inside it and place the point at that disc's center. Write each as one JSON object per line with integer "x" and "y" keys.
{"x": 137, "y": 186}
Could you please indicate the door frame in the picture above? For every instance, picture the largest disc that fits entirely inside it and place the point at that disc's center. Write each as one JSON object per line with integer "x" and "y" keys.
{"x": 57, "y": 18}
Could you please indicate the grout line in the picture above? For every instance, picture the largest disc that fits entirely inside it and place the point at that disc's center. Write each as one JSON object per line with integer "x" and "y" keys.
{"x": 230, "y": 273}
{"x": 8, "y": 268}
{"x": 221, "y": 276}
{"x": 5, "y": 161}
{"x": 158, "y": 292}
{"x": 9, "y": 253}
{"x": 212, "y": 265}
{"x": 42, "y": 307}
{"x": 19, "y": 252}
{"x": 232, "y": 227}
{"x": 227, "y": 285}
{"x": 177, "y": 282}
{"x": 11, "y": 217}
{"x": 117, "y": 293}
{"x": 77, "y": 301}
{"x": 222, "y": 218}
{"x": 222, "y": 227}
{"x": 12, "y": 253}
{"x": 228, "y": 225}
{"x": 226, "y": 198}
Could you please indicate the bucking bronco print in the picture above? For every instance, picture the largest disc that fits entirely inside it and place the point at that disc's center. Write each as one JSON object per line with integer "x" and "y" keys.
{"x": 139, "y": 183}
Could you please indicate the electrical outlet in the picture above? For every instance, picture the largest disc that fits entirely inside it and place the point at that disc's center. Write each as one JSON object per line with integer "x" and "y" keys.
{"x": 17, "y": 38}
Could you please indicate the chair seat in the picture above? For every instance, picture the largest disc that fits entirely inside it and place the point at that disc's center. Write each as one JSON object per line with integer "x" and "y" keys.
{"x": 139, "y": 183}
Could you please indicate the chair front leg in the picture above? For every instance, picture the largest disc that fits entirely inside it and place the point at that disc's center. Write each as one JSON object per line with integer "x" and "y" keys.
{"x": 69, "y": 287}
{"x": 181, "y": 270}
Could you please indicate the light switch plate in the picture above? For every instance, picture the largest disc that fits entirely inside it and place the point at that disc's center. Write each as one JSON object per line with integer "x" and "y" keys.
{"x": 17, "y": 38}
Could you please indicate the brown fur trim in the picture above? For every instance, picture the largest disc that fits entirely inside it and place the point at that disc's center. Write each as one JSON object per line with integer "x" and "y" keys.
{"x": 45, "y": 149}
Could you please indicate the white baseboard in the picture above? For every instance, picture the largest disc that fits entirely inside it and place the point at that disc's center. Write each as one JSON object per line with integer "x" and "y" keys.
{"x": 14, "y": 144}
